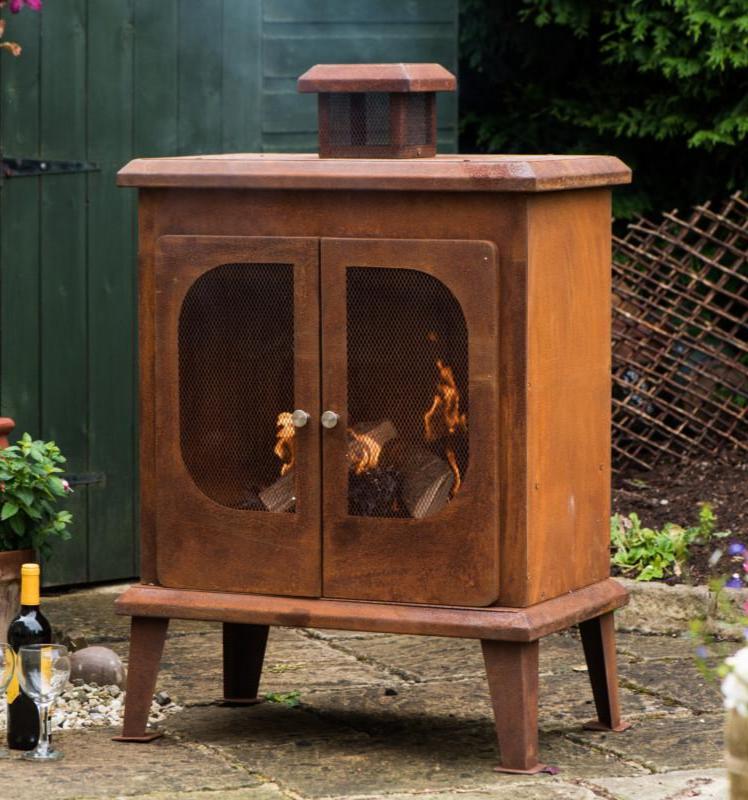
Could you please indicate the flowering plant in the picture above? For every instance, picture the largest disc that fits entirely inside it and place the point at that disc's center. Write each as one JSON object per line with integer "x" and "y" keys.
{"x": 735, "y": 682}
{"x": 30, "y": 488}
{"x": 15, "y": 6}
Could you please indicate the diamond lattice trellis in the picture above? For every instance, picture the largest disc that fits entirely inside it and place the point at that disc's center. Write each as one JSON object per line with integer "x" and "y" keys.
{"x": 680, "y": 343}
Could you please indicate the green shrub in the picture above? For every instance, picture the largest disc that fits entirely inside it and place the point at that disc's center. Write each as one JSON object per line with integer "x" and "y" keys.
{"x": 648, "y": 554}
{"x": 662, "y": 84}
{"x": 30, "y": 489}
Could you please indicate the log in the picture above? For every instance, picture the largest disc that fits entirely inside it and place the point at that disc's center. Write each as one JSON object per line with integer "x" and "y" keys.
{"x": 427, "y": 481}
{"x": 366, "y": 441}
{"x": 375, "y": 493}
{"x": 281, "y": 495}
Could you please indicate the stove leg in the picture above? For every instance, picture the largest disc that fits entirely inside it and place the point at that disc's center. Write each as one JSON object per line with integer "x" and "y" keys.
{"x": 147, "y": 637}
{"x": 599, "y": 642}
{"x": 512, "y": 670}
{"x": 243, "y": 654}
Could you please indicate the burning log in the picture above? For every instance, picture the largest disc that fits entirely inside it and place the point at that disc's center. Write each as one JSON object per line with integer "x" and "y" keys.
{"x": 364, "y": 449}
{"x": 427, "y": 481}
{"x": 281, "y": 495}
{"x": 365, "y": 443}
{"x": 374, "y": 493}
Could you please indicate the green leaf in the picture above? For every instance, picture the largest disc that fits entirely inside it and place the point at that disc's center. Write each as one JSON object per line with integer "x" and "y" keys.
{"x": 9, "y": 509}
{"x": 18, "y": 525}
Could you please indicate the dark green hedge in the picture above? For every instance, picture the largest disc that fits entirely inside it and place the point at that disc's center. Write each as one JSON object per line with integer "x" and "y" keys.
{"x": 663, "y": 84}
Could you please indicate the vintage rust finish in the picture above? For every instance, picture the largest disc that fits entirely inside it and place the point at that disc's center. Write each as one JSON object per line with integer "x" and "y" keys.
{"x": 599, "y": 642}
{"x": 147, "y": 637}
{"x": 243, "y": 655}
{"x": 377, "y": 110}
{"x": 444, "y": 173}
{"x": 505, "y": 624}
{"x": 451, "y": 317}
{"x": 377, "y": 78}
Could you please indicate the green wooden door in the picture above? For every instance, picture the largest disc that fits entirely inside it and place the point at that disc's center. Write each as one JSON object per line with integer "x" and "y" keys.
{"x": 102, "y": 81}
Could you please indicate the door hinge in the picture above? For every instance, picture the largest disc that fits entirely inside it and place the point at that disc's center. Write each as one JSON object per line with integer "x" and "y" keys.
{"x": 31, "y": 167}
{"x": 84, "y": 478}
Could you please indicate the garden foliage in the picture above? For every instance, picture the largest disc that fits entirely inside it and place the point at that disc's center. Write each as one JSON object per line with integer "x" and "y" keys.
{"x": 30, "y": 489}
{"x": 663, "y": 84}
{"x": 648, "y": 554}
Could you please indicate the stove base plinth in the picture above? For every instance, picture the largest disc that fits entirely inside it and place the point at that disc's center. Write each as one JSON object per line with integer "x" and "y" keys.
{"x": 509, "y": 639}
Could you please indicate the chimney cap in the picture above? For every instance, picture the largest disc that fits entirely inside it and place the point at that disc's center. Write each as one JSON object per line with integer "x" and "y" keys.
{"x": 377, "y": 78}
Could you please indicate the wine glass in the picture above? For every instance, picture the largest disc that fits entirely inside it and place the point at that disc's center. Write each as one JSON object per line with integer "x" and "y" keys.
{"x": 7, "y": 670}
{"x": 43, "y": 670}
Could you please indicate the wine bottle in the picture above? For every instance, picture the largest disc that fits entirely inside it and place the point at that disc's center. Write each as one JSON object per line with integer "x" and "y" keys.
{"x": 30, "y": 626}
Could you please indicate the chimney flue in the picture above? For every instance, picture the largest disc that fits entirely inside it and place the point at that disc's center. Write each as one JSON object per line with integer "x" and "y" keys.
{"x": 377, "y": 110}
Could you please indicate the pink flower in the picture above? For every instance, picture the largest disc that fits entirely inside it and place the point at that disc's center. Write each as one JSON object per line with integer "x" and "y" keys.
{"x": 17, "y": 5}
{"x": 66, "y": 486}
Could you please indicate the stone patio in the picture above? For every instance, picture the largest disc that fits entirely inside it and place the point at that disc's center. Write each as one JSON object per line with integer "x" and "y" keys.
{"x": 382, "y": 715}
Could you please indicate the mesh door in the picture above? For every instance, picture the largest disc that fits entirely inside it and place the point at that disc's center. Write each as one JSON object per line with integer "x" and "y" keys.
{"x": 236, "y": 385}
{"x": 408, "y": 403}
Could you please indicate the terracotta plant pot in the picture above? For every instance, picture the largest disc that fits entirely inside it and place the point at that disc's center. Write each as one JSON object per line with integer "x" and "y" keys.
{"x": 10, "y": 585}
{"x": 10, "y": 562}
{"x": 736, "y": 741}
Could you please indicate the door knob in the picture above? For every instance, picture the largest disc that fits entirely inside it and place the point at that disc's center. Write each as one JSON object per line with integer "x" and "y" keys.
{"x": 299, "y": 418}
{"x": 329, "y": 419}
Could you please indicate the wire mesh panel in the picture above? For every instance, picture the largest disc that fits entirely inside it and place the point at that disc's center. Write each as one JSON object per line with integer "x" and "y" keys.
{"x": 680, "y": 344}
{"x": 359, "y": 119}
{"x": 236, "y": 385}
{"x": 408, "y": 403}
{"x": 419, "y": 118}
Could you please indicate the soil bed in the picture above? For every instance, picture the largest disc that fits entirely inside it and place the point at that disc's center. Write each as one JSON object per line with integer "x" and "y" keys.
{"x": 673, "y": 492}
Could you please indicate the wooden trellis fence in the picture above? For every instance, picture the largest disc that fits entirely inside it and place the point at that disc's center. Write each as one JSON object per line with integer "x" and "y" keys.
{"x": 680, "y": 343}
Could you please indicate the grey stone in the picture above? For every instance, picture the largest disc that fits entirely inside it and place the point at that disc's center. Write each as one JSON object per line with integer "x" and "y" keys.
{"x": 191, "y": 667}
{"x": 95, "y": 766}
{"x": 266, "y": 791}
{"x": 664, "y": 744}
{"x": 680, "y": 682}
{"x": 526, "y": 789}
{"x": 98, "y": 665}
{"x": 703, "y": 784}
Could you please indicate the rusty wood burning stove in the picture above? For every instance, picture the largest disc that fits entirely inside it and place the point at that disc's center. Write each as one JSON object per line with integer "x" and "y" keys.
{"x": 375, "y": 396}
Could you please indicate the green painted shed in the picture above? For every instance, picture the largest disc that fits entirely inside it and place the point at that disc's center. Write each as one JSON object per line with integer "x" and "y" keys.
{"x": 98, "y": 83}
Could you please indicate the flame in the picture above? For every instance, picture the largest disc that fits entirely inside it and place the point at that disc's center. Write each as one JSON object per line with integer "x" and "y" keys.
{"x": 365, "y": 452}
{"x": 445, "y": 410}
{"x": 285, "y": 445}
{"x": 456, "y": 470}
{"x": 444, "y": 418}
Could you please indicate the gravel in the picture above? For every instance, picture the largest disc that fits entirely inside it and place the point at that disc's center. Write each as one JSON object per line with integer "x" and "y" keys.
{"x": 91, "y": 706}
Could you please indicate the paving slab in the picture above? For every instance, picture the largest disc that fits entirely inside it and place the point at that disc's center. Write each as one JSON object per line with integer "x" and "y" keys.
{"x": 709, "y": 784}
{"x": 91, "y": 615}
{"x": 94, "y": 766}
{"x": 265, "y": 791}
{"x": 664, "y": 744}
{"x": 679, "y": 681}
{"x": 428, "y": 658}
{"x": 545, "y": 790}
{"x": 315, "y": 756}
{"x": 565, "y": 703}
{"x": 191, "y": 667}
{"x": 643, "y": 647}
